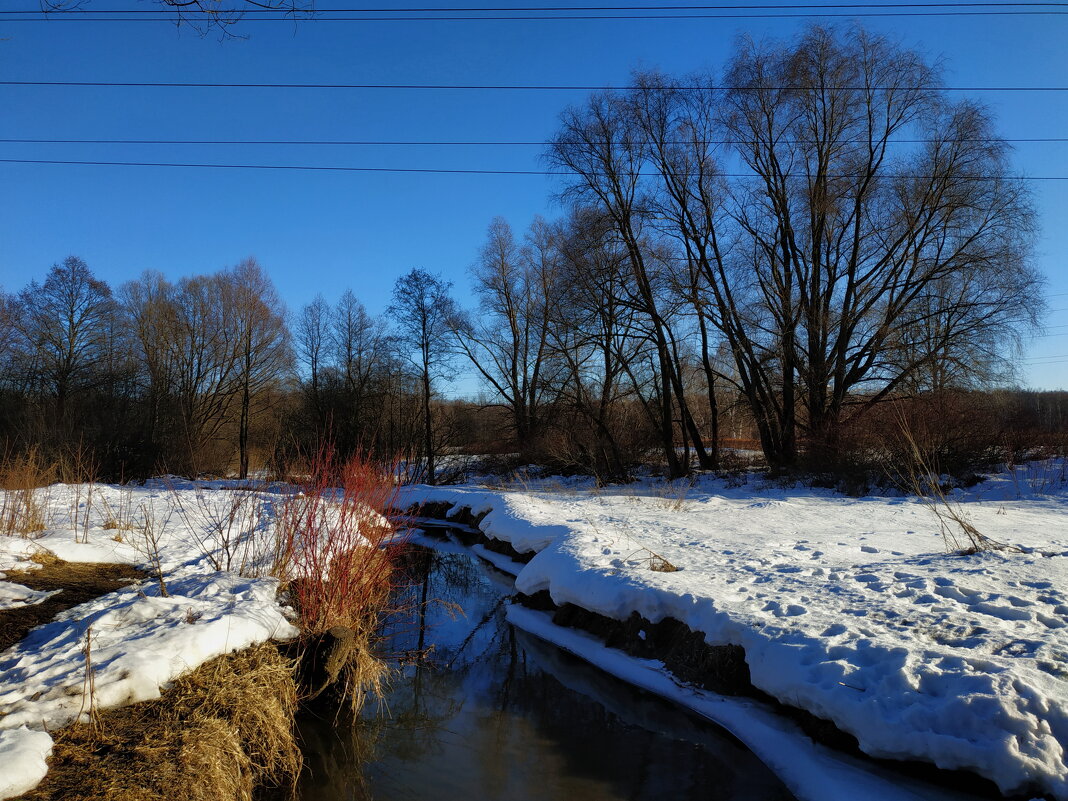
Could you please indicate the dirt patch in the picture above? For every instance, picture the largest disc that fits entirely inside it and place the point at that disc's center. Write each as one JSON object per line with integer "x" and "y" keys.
{"x": 220, "y": 733}
{"x": 78, "y": 581}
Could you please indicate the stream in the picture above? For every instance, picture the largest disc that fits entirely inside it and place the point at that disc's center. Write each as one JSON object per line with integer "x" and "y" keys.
{"x": 492, "y": 713}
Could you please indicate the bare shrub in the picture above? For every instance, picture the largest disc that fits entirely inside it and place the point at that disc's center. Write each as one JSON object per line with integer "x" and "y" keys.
{"x": 120, "y": 516}
{"x": 149, "y": 544}
{"x": 336, "y": 542}
{"x": 225, "y": 523}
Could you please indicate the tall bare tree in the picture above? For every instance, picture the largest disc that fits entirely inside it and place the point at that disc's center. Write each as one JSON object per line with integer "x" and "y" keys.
{"x": 425, "y": 316}
{"x": 264, "y": 353}
{"x": 836, "y": 263}
{"x": 508, "y": 339}
{"x": 602, "y": 145}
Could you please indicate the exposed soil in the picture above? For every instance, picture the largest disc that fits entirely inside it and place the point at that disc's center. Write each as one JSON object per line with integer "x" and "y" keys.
{"x": 78, "y": 581}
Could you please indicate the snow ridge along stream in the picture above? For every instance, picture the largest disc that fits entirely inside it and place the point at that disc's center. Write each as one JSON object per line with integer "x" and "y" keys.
{"x": 847, "y": 608}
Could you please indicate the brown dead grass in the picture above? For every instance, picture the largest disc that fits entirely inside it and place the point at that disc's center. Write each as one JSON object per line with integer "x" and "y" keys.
{"x": 218, "y": 734}
{"x": 79, "y": 582}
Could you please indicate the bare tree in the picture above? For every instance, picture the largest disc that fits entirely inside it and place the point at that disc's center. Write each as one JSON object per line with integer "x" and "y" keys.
{"x": 603, "y": 146}
{"x": 595, "y": 335}
{"x": 264, "y": 353}
{"x": 312, "y": 337}
{"x": 206, "y": 15}
{"x": 424, "y": 316}
{"x": 508, "y": 339}
{"x": 64, "y": 326}
{"x": 838, "y": 266}
{"x": 360, "y": 352}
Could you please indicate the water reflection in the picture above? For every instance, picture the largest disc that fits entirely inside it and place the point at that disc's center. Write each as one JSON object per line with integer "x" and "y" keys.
{"x": 491, "y": 713}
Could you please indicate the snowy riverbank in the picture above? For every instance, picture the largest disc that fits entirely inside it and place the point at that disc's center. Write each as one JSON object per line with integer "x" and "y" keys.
{"x": 848, "y": 608}
{"x": 139, "y": 639}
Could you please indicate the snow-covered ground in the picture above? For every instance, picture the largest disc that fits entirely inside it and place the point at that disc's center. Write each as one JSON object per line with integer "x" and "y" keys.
{"x": 139, "y": 638}
{"x": 847, "y": 607}
{"x": 850, "y": 608}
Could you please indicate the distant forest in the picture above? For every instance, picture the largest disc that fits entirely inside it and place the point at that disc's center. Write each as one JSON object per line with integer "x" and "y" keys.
{"x": 807, "y": 258}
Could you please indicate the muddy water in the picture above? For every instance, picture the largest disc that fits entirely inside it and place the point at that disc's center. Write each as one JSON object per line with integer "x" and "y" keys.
{"x": 494, "y": 714}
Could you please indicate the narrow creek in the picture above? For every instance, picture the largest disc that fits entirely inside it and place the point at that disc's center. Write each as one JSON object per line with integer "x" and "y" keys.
{"x": 493, "y": 713}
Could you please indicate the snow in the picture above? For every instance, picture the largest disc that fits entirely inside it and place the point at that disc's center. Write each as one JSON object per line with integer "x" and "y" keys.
{"x": 22, "y": 753}
{"x": 849, "y": 608}
{"x": 138, "y": 643}
{"x": 134, "y": 642}
{"x": 15, "y": 595}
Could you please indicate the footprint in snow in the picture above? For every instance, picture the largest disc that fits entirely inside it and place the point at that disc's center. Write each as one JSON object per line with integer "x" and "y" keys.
{"x": 792, "y": 610}
{"x": 869, "y": 549}
{"x": 1001, "y": 612}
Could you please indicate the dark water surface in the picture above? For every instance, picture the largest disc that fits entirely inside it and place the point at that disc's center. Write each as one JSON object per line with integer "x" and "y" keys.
{"x": 496, "y": 715}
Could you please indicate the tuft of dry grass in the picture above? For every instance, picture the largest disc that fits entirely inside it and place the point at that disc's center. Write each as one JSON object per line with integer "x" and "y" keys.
{"x": 23, "y": 502}
{"x": 220, "y": 733}
{"x": 919, "y": 475}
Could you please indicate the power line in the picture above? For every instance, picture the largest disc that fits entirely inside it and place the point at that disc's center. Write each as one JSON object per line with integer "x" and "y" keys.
{"x": 487, "y": 143}
{"x": 282, "y": 15}
{"x": 513, "y": 87}
{"x": 480, "y": 9}
{"x": 336, "y": 168}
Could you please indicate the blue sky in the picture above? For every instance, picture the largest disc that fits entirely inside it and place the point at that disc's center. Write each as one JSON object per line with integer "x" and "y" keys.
{"x": 324, "y": 232}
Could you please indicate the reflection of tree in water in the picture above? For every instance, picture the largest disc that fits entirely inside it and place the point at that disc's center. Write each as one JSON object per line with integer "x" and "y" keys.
{"x": 481, "y": 713}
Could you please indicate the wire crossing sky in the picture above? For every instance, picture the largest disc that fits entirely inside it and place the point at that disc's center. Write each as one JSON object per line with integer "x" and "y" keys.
{"x": 343, "y": 155}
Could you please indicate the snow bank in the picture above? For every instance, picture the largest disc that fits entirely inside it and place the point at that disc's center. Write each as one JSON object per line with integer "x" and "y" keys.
{"x": 812, "y": 772}
{"x": 22, "y": 753}
{"x": 138, "y": 642}
{"x": 509, "y": 516}
{"x": 848, "y": 608}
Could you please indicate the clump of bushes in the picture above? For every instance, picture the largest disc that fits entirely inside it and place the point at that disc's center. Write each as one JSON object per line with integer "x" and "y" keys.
{"x": 337, "y": 547}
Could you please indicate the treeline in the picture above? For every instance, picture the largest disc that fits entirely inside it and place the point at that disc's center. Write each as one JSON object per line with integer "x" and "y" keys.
{"x": 210, "y": 375}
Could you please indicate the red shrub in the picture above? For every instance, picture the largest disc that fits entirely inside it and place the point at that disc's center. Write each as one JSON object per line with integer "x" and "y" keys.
{"x": 338, "y": 542}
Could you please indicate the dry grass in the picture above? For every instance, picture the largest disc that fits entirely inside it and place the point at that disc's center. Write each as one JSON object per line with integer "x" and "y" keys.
{"x": 24, "y": 479}
{"x": 919, "y": 475}
{"x": 218, "y": 734}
